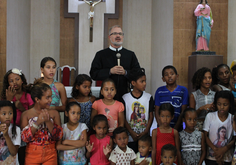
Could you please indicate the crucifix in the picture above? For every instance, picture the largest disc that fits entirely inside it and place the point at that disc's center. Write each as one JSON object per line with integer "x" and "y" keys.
{"x": 85, "y": 50}
{"x": 90, "y": 16}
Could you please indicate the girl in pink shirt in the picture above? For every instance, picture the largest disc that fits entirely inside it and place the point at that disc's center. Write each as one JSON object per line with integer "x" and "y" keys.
{"x": 100, "y": 144}
{"x": 14, "y": 89}
{"x": 112, "y": 109}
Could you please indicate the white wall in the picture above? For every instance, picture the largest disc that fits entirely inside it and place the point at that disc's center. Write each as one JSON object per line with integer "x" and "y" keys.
{"x": 44, "y": 33}
{"x": 231, "y": 31}
{"x": 33, "y": 32}
{"x": 18, "y": 36}
{"x": 162, "y": 40}
{"x": 137, "y": 26}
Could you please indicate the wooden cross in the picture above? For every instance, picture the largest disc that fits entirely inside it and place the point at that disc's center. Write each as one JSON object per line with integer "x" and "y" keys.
{"x": 90, "y": 16}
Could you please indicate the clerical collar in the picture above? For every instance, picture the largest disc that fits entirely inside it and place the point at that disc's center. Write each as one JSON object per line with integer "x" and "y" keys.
{"x": 114, "y": 49}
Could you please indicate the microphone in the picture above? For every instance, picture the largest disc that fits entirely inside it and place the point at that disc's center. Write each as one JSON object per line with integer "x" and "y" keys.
{"x": 118, "y": 55}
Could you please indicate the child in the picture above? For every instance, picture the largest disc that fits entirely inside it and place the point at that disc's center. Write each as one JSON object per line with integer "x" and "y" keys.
{"x": 144, "y": 147}
{"x": 192, "y": 141}
{"x": 218, "y": 130}
{"x": 164, "y": 134}
{"x": 202, "y": 99}
{"x": 48, "y": 68}
{"x": 140, "y": 104}
{"x": 15, "y": 89}
{"x": 172, "y": 93}
{"x": 10, "y": 134}
{"x": 41, "y": 127}
{"x": 233, "y": 81}
{"x": 100, "y": 144}
{"x": 72, "y": 146}
{"x": 122, "y": 154}
{"x": 81, "y": 93}
{"x": 234, "y": 127}
{"x": 221, "y": 78}
{"x": 112, "y": 109}
{"x": 168, "y": 155}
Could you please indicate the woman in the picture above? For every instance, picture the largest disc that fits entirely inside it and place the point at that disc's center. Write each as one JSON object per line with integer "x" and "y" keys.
{"x": 41, "y": 127}
{"x": 204, "y": 25}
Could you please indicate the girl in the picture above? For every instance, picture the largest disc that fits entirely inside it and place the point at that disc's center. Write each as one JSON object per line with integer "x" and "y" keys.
{"x": 10, "y": 134}
{"x": 164, "y": 134}
{"x": 100, "y": 144}
{"x": 41, "y": 127}
{"x": 114, "y": 109}
{"x": 81, "y": 93}
{"x": 192, "y": 141}
{"x": 221, "y": 78}
{"x": 48, "y": 68}
{"x": 218, "y": 130}
{"x": 72, "y": 146}
{"x": 234, "y": 127}
{"x": 202, "y": 99}
{"x": 15, "y": 89}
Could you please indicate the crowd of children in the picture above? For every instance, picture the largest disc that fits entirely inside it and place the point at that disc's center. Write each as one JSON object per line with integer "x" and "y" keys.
{"x": 105, "y": 131}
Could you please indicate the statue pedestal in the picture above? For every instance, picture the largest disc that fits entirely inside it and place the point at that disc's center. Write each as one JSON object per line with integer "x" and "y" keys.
{"x": 198, "y": 61}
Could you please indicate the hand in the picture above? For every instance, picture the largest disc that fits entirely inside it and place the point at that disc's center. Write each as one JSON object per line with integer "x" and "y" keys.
{"x": 4, "y": 130}
{"x": 208, "y": 107}
{"x": 219, "y": 152}
{"x": 141, "y": 134}
{"x": 107, "y": 149}
{"x": 220, "y": 161}
{"x": 43, "y": 117}
{"x": 19, "y": 105}
{"x": 10, "y": 93}
{"x": 134, "y": 135}
{"x": 89, "y": 146}
{"x": 118, "y": 70}
{"x": 144, "y": 162}
{"x": 3, "y": 127}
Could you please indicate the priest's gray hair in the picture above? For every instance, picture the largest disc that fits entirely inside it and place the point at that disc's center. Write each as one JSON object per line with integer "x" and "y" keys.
{"x": 115, "y": 26}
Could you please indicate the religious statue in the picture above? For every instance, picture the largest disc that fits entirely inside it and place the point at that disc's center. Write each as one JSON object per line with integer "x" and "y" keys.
{"x": 204, "y": 25}
{"x": 91, "y": 13}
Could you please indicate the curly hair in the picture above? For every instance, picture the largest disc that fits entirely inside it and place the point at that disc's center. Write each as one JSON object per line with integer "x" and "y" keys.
{"x": 6, "y": 84}
{"x": 79, "y": 80}
{"x": 215, "y": 71}
{"x": 198, "y": 77}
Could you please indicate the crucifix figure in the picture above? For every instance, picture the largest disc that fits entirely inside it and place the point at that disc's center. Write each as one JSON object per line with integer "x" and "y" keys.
{"x": 90, "y": 16}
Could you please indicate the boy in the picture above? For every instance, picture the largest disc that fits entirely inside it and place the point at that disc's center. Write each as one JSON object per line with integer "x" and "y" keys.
{"x": 122, "y": 154}
{"x": 139, "y": 107}
{"x": 168, "y": 154}
{"x": 144, "y": 147}
{"x": 172, "y": 93}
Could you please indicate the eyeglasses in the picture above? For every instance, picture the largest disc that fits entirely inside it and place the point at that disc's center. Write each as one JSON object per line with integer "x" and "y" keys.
{"x": 115, "y": 33}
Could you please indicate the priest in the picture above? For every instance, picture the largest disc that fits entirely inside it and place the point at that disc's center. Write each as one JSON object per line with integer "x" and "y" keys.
{"x": 114, "y": 62}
